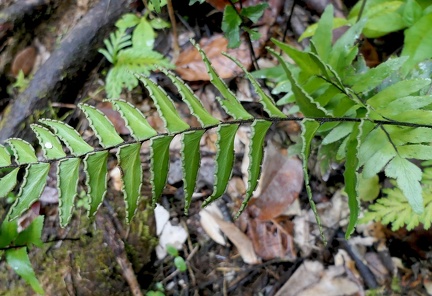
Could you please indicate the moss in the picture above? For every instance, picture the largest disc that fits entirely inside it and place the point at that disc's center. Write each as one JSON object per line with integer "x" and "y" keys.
{"x": 142, "y": 238}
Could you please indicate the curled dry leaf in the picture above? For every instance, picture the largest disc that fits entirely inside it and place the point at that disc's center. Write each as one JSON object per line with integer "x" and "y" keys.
{"x": 190, "y": 66}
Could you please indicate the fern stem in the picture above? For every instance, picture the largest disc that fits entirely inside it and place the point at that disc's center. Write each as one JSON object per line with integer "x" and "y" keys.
{"x": 321, "y": 120}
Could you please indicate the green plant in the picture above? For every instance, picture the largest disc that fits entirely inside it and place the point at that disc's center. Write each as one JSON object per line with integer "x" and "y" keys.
{"x": 21, "y": 82}
{"x": 179, "y": 262}
{"x": 386, "y": 16}
{"x": 236, "y": 20}
{"x": 158, "y": 292}
{"x": 14, "y": 245}
{"x": 374, "y": 119}
{"x": 131, "y": 54}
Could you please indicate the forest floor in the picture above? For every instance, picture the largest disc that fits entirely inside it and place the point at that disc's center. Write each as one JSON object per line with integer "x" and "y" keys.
{"x": 274, "y": 248}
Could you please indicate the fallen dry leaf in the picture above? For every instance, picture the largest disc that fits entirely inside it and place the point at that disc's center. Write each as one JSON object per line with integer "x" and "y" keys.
{"x": 240, "y": 240}
{"x": 273, "y": 239}
{"x": 312, "y": 279}
{"x": 234, "y": 234}
{"x": 190, "y": 66}
{"x": 210, "y": 225}
{"x": 280, "y": 184}
{"x": 218, "y": 4}
{"x": 27, "y": 218}
{"x": 115, "y": 175}
{"x": 168, "y": 234}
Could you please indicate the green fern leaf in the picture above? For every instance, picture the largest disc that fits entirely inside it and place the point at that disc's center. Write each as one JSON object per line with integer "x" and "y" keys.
{"x": 415, "y": 151}
{"x": 408, "y": 103}
{"x": 5, "y": 157}
{"x": 31, "y": 188}
{"x": 351, "y": 177}
{"x": 117, "y": 41}
{"x": 95, "y": 167}
{"x": 172, "y": 120}
{"x": 23, "y": 151}
{"x": 408, "y": 177}
{"x": 49, "y": 143}
{"x": 259, "y": 130}
{"x": 8, "y": 182}
{"x": 309, "y": 128}
{"x": 194, "y": 104}
{"x": 375, "y": 152}
{"x": 102, "y": 127}
{"x": 130, "y": 61}
{"x": 229, "y": 102}
{"x": 403, "y": 135}
{"x": 411, "y": 116}
{"x": 323, "y": 34}
{"x": 339, "y": 132}
{"x": 67, "y": 185}
{"x": 344, "y": 51}
{"x": 69, "y": 136}
{"x": 224, "y": 160}
{"x": 403, "y": 88}
{"x": 302, "y": 59}
{"x": 18, "y": 259}
{"x": 366, "y": 81}
{"x": 190, "y": 154}
{"x": 394, "y": 209}
{"x": 326, "y": 70}
{"x": 143, "y": 36}
{"x": 129, "y": 162}
{"x": 159, "y": 164}
{"x": 306, "y": 103}
{"x": 32, "y": 234}
{"x": 135, "y": 121}
{"x": 265, "y": 100}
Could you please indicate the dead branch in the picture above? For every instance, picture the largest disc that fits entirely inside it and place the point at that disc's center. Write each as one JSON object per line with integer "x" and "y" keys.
{"x": 63, "y": 74}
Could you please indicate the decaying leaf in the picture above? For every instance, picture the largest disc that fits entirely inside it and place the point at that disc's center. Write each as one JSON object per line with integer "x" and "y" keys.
{"x": 273, "y": 239}
{"x": 280, "y": 184}
{"x": 173, "y": 235}
{"x": 210, "y": 225}
{"x": 312, "y": 279}
{"x": 234, "y": 234}
{"x": 24, "y": 61}
{"x": 191, "y": 67}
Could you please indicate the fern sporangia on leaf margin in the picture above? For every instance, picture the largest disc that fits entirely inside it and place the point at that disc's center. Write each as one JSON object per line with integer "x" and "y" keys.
{"x": 373, "y": 125}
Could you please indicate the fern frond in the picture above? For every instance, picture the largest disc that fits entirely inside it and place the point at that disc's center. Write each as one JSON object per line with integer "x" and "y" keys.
{"x": 394, "y": 209}
{"x": 129, "y": 62}
{"x": 356, "y": 127}
{"x": 117, "y": 41}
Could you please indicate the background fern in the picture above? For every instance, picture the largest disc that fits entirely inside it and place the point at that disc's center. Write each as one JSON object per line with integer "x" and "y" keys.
{"x": 131, "y": 53}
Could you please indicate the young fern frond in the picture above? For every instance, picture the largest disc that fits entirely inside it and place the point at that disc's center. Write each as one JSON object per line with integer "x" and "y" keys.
{"x": 117, "y": 41}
